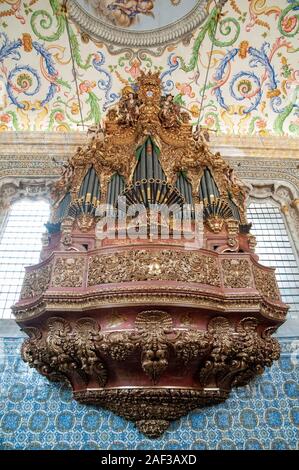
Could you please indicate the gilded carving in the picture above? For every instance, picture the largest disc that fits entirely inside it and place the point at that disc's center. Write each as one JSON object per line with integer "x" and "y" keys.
{"x": 36, "y": 282}
{"x": 118, "y": 345}
{"x": 85, "y": 222}
{"x": 155, "y": 337}
{"x": 266, "y": 283}
{"x": 68, "y": 272}
{"x": 64, "y": 350}
{"x": 151, "y": 409}
{"x": 137, "y": 115}
{"x": 152, "y": 336}
{"x": 137, "y": 266}
{"x": 226, "y": 355}
{"x": 236, "y": 273}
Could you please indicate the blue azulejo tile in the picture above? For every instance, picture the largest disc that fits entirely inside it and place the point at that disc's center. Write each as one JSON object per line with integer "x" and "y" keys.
{"x": 226, "y": 444}
{"x": 35, "y": 445}
{"x": 291, "y": 389}
{"x": 90, "y": 445}
{"x": 248, "y": 418}
{"x": 294, "y": 416}
{"x": 245, "y": 393}
{"x": 173, "y": 444}
{"x": 253, "y": 444}
{"x": 11, "y": 421}
{"x": 43, "y": 415}
{"x": 65, "y": 421}
{"x": 118, "y": 445}
{"x": 268, "y": 390}
{"x": 197, "y": 421}
{"x": 91, "y": 421}
{"x": 42, "y": 392}
{"x": 65, "y": 393}
{"x": 116, "y": 423}
{"x": 17, "y": 392}
{"x": 199, "y": 444}
{"x": 279, "y": 444}
{"x": 21, "y": 368}
{"x": 273, "y": 418}
{"x": 223, "y": 419}
{"x": 38, "y": 421}
{"x": 286, "y": 364}
{"x": 63, "y": 445}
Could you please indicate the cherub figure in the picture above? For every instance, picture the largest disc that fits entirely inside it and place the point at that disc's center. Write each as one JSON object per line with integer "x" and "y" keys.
{"x": 98, "y": 135}
{"x": 169, "y": 112}
{"x": 201, "y": 136}
{"x": 67, "y": 170}
{"x": 129, "y": 109}
{"x": 126, "y": 11}
{"x": 62, "y": 185}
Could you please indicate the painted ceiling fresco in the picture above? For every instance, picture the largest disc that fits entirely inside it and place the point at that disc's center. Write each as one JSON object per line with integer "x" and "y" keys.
{"x": 252, "y": 86}
{"x": 138, "y": 15}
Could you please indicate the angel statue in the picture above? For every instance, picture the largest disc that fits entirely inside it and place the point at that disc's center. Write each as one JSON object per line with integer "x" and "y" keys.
{"x": 98, "y": 135}
{"x": 66, "y": 170}
{"x": 169, "y": 112}
{"x": 128, "y": 108}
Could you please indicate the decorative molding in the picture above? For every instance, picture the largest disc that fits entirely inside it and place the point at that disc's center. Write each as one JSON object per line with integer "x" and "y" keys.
{"x": 12, "y": 189}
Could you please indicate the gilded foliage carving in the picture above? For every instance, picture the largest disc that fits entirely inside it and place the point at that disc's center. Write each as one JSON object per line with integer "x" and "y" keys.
{"x": 152, "y": 336}
{"x": 266, "y": 283}
{"x": 224, "y": 355}
{"x": 151, "y": 409}
{"x": 65, "y": 349}
{"x": 236, "y": 273}
{"x": 36, "y": 282}
{"x": 137, "y": 115}
{"x": 223, "y": 352}
{"x": 138, "y": 266}
{"x": 68, "y": 272}
{"x": 155, "y": 338}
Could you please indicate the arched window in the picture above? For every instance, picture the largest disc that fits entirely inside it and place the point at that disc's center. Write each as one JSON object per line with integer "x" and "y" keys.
{"x": 20, "y": 245}
{"x": 275, "y": 248}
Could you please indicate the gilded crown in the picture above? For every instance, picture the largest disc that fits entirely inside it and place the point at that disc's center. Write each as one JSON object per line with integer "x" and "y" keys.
{"x": 149, "y": 79}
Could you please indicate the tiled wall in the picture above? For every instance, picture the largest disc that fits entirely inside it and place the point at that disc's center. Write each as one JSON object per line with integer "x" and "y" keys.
{"x": 37, "y": 414}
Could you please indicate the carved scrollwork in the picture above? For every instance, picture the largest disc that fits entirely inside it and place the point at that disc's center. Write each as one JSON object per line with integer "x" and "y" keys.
{"x": 224, "y": 355}
{"x": 152, "y": 336}
{"x": 36, "y": 282}
{"x": 118, "y": 345}
{"x": 192, "y": 344}
{"x": 86, "y": 341}
{"x": 236, "y": 273}
{"x": 155, "y": 337}
{"x": 68, "y": 272}
{"x": 136, "y": 266}
{"x": 65, "y": 349}
{"x": 151, "y": 409}
{"x": 266, "y": 283}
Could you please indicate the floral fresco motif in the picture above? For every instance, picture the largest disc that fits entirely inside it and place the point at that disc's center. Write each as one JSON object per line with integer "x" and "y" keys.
{"x": 237, "y": 73}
